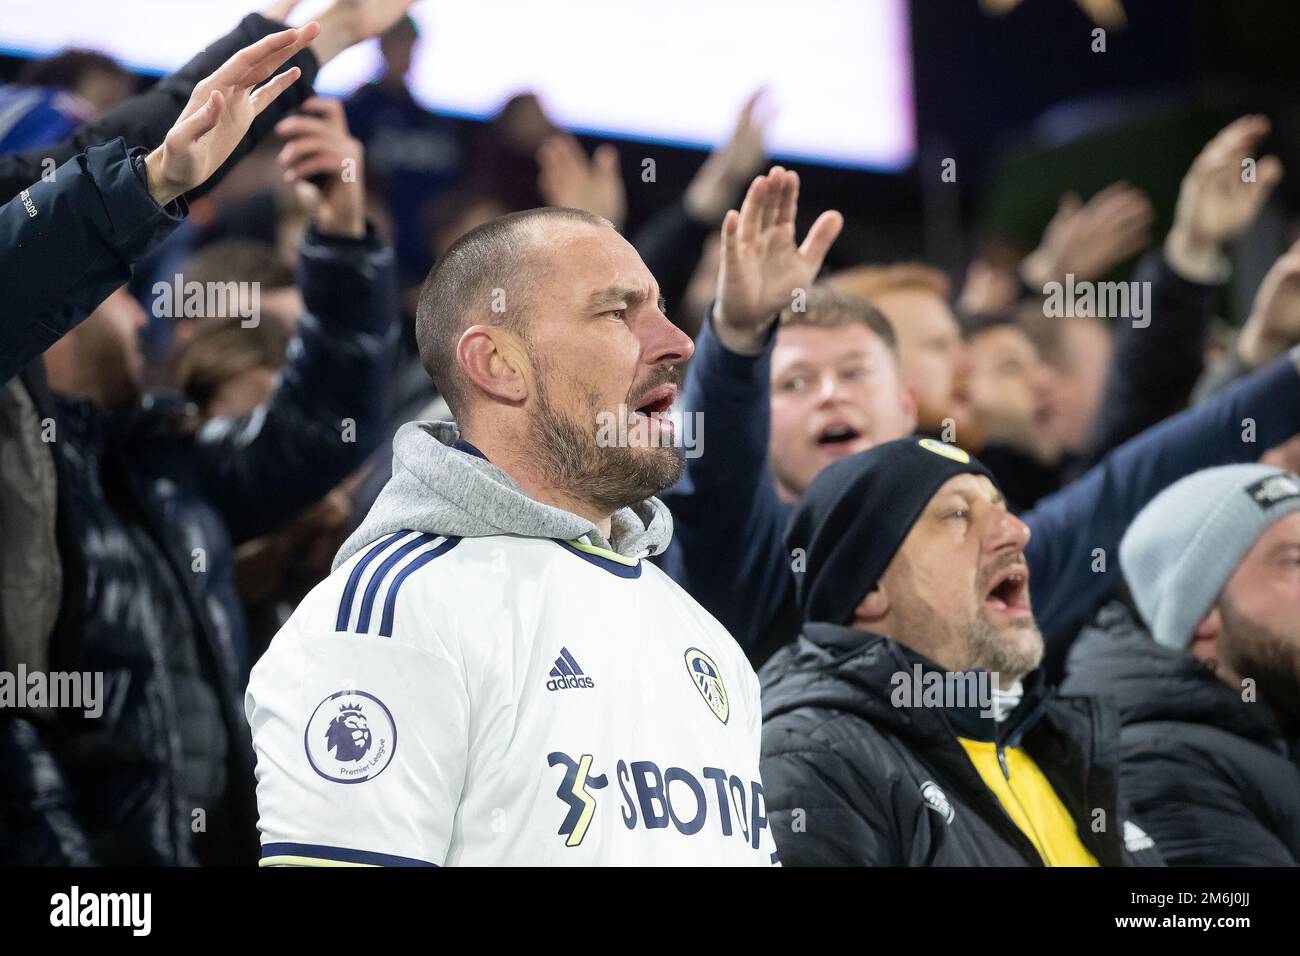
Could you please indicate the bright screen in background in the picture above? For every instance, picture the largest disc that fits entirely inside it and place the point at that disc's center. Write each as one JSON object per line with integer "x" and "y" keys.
{"x": 838, "y": 73}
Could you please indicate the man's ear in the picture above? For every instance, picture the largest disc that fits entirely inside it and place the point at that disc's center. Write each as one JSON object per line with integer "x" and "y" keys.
{"x": 1205, "y": 639}
{"x": 492, "y": 359}
{"x": 871, "y": 610}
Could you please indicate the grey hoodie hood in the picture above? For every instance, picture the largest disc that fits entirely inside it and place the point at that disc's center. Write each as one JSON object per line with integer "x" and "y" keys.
{"x": 441, "y": 490}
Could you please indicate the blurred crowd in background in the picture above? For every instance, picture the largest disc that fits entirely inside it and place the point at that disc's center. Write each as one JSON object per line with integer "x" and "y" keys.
{"x": 200, "y": 486}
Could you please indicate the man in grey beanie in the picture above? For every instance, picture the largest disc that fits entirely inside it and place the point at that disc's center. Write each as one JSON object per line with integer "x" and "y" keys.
{"x": 1207, "y": 673}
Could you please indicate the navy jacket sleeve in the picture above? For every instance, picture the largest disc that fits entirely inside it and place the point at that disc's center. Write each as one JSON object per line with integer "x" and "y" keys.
{"x": 1157, "y": 365}
{"x": 143, "y": 120}
{"x": 69, "y": 242}
{"x": 728, "y": 522}
{"x": 327, "y": 411}
{"x": 1093, "y": 513}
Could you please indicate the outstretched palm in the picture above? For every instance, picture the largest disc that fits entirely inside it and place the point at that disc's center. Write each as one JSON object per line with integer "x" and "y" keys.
{"x": 221, "y": 109}
{"x": 1217, "y": 199}
{"x": 762, "y": 268}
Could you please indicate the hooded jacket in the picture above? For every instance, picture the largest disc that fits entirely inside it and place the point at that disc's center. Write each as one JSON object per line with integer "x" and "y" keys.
{"x": 852, "y": 779}
{"x": 443, "y": 485}
{"x": 1214, "y": 779}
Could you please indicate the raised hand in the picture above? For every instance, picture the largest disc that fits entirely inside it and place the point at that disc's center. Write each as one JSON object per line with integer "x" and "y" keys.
{"x": 719, "y": 181}
{"x": 568, "y": 178}
{"x": 1089, "y": 239}
{"x": 220, "y": 111}
{"x": 1217, "y": 200}
{"x": 761, "y": 266}
{"x": 321, "y": 156}
{"x": 347, "y": 22}
{"x": 1274, "y": 322}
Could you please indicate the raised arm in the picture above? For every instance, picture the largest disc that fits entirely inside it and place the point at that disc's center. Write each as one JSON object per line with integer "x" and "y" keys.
{"x": 672, "y": 240}
{"x": 1087, "y": 240}
{"x": 144, "y": 119}
{"x": 728, "y": 519}
{"x": 1073, "y": 552}
{"x": 324, "y": 418}
{"x": 71, "y": 240}
{"x": 1158, "y": 360}
{"x": 566, "y": 177}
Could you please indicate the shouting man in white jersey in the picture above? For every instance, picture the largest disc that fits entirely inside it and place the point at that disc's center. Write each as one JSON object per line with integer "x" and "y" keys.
{"x": 494, "y": 674}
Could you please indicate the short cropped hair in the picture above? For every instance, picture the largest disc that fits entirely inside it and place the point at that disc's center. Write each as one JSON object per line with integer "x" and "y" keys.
{"x": 461, "y": 289}
{"x": 827, "y": 307}
{"x": 973, "y": 326}
{"x": 871, "y": 281}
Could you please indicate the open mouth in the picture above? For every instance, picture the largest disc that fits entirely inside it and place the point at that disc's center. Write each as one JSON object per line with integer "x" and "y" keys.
{"x": 836, "y": 435}
{"x": 657, "y": 401}
{"x": 1010, "y": 591}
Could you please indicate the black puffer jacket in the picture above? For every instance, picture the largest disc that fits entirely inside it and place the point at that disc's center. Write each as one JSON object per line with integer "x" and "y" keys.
{"x": 1213, "y": 779}
{"x": 846, "y": 774}
{"x": 156, "y": 510}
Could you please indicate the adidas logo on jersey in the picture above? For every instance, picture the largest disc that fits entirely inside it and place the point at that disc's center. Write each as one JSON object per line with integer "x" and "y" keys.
{"x": 566, "y": 674}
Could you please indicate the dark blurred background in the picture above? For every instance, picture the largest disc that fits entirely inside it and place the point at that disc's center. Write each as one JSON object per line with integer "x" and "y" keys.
{"x": 1022, "y": 99}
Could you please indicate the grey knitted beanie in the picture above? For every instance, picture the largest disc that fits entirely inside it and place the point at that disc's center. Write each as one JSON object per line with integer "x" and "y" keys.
{"x": 1186, "y": 543}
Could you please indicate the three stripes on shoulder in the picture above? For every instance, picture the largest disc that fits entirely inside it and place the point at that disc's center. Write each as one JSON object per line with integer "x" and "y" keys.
{"x": 376, "y": 579}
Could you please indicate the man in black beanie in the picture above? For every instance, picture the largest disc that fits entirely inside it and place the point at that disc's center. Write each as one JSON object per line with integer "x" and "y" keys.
{"x": 909, "y": 725}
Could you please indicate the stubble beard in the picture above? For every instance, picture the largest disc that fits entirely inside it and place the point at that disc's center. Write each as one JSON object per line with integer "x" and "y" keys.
{"x": 1269, "y": 658}
{"x": 990, "y": 648}
{"x": 610, "y": 477}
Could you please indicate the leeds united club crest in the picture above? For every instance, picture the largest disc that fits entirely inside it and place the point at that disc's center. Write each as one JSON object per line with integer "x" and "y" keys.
{"x": 708, "y": 682}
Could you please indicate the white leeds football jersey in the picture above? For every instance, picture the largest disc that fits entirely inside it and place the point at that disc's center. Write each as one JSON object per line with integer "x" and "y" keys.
{"x": 505, "y": 700}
